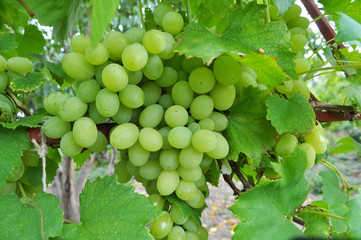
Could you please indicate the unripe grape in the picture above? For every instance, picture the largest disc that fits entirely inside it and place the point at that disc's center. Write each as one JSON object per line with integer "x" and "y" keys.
{"x": 152, "y": 93}
{"x": 182, "y": 94}
{"x": 150, "y": 139}
{"x": 177, "y": 233}
{"x": 2, "y": 63}
{"x": 95, "y": 115}
{"x": 154, "y": 67}
{"x": 286, "y": 145}
{"x": 293, "y": 12}
{"x": 77, "y": 67}
{"x": 124, "y": 135}
{"x": 88, "y": 90}
{"x": 72, "y": 109}
{"x": 138, "y": 156}
{"x": 285, "y": 87}
{"x": 157, "y": 200}
{"x": 190, "y": 157}
{"x": 114, "y": 77}
{"x": 222, "y": 148}
{"x": 30, "y": 158}
{"x": 9, "y": 188}
{"x": 19, "y": 65}
{"x": 302, "y": 65}
{"x": 206, "y": 123}
{"x": 168, "y": 52}
{"x": 132, "y": 96}
{"x": 135, "y": 34}
{"x": 298, "y": 30}
{"x": 17, "y": 172}
{"x": 120, "y": 169}
{"x": 311, "y": 154}
{"x": 167, "y": 182}
{"x": 55, "y": 127}
{"x": 317, "y": 140}
{"x": 190, "y": 174}
{"x": 100, "y": 144}
{"x": 180, "y": 137}
{"x": 97, "y": 55}
{"x": 169, "y": 159}
{"x": 115, "y": 42}
{"x": 184, "y": 191}
{"x": 154, "y": 41}
{"x": 201, "y": 107}
{"x": 189, "y": 64}
{"x": 204, "y": 140}
{"x": 85, "y": 132}
{"x": 176, "y": 115}
{"x": 68, "y": 146}
{"x": 160, "y": 10}
{"x": 196, "y": 200}
{"x": 172, "y": 22}
{"x": 161, "y": 226}
{"x": 150, "y": 170}
{"x": 54, "y": 101}
{"x": 134, "y": 77}
{"x": 299, "y": 86}
{"x": 220, "y": 121}
{"x": 3, "y": 81}
{"x": 191, "y": 225}
{"x": 301, "y": 22}
{"x": 227, "y": 70}
{"x": 168, "y": 77}
{"x": 79, "y": 43}
{"x": 134, "y": 57}
{"x": 223, "y": 96}
{"x": 202, "y": 80}
{"x": 298, "y": 42}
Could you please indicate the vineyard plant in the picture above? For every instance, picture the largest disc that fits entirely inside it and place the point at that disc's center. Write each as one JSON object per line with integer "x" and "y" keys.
{"x": 179, "y": 94}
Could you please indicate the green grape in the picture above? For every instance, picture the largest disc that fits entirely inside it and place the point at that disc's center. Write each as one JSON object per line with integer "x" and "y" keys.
{"x": 298, "y": 42}
{"x": 202, "y": 80}
{"x": 4, "y": 81}
{"x": 182, "y": 94}
{"x": 172, "y": 22}
{"x": 53, "y": 102}
{"x": 134, "y": 57}
{"x": 196, "y": 200}
{"x": 246, "y": 80}
{"x": 249, "y": 70}
{"x": 189, "y": 64}
{"x": 68, "y": 146}
{"x": 150, "y": 170}
{"x": 151, "y": 116}
{"x": 161, "y": 226}
{"x": 190, "y": 157}
{"x": 299, "y": 86}
{"x": 100, "y": 144}
{"x": 114, "y": 77}
{"x": 19, "y": 65}
{"x": 166, "y": 101}
{"x": 204, "y": 140}
{"x": 192, "y": 235}
{"x": 54, "y": 127}
{"x": 200, "y": 182}
{"x": 184, "y": 191}
{"x": 273, "y": 11}
{"x": 150, "y": 139}
{"x": 190, "y": 174}
{"x": 177, "y": 215}
{"x": 311, "y": 154}
{"x": 223, "y": 96}
{"x": 164, "y": 132}
{"x": 107, "y": 102}
{"x": 293, "y": 12}
{"x": 160, "y": 10}
{"x": 182, "y": 75}
{"x": 203, "y": 233}
{"x": 301, "y": 22}
{"x": 151, "y": 187}
{"x": 201, "y": 107}
{"x": 194, "y": 127}
{"x": 179, "y": 137}
{"x": 138, "y": 156}
{"x": 98, "y": 73}
{"x": 286, "y": 145}
{"x": 134, "y": 77}
{"x": 2, "y": 63}
{"x": 168, "y": 78}
{"x": 317, "y": 140}
{"x": 120, "y": 170}
{"x": 227, "y": 70}
{"x": 132, "y": 96}
{"x": 168, "y": 52}
{"x": 207, "y": 123}
{"x": 175, "y": 62}
{"x": 88, "y": 90}
{"x": 285, "y": 87}
{"x": 221, "y": 150}
{"x": 177, "y": 233}
{"x": 124, "y": 135}
{"x": 298, "y": 30}
{"x": 302, "y": 65}
{"x": 97, "y": 55}
{"x": 176, "y": 115}
{"x": 79, "y": 43}
{"x": 85, "y": 132}
{"x": 169, "y": 159}
{"x": 123, "y": 115}
{"x": 72, "y": 109}
{"x": 220, "y": 121}
{"x": 77, "y": 67}
{"x": 154, "y": 41}
{"x": 30, "y": 158}
{"x": 135, "y": 34}
{"x": 154, "y": 67}
{"x": 4, "y": 99}
{"x": 152, "y": 93}
{"x": 167, "y": 182}
{"x": 115, "y": 42}
{"x": 17, "y": 172}
{"x": 191, "y": 225}
{"x": 157, "y": 200}
{"x": 9, "y": 188}
{"x": 94, "y": 114}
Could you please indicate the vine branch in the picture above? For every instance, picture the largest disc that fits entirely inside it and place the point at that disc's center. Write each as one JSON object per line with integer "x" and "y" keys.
{"x": 238, "y": 173}
{"x": 228, "y": 180}
{"x": 27, "y": 8}
{"x": 18, "y": 103}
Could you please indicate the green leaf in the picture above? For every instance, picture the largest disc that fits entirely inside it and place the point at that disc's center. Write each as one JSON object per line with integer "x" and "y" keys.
{"x": 249, "y": 131}
{"x": 331, "y": 6}
{"x": 264, "y": 210}
{"x": 8, "y": 42}
{"x": 332, "y": 193}
{"x": 268, "y": 72}
{"x": 59, "y": 14}
{"x": 53, "y": 159}
{"x": 213, "y": 174}
{"x": 354, "y": 10}
{"x": 353, "y": 218}
{"x": 355, "y": 56}
{"x": 31, "y": 42}
{"x": 81, "y": 158}
{"x": 283, "y": 5}
{"x": 317, "y": 226}
{"x": 31, "y": 121}
{"x": 30, "y": 83}
{"x": 346, "y": 144}
{"x": 355, "y": 96}
{"x": 292, "y": 115}
{"x": 246, "y": 33}
{"x": 103, "y": 13}
{"x": 111, "y": 211}
{"x": 348, "y": 29}
{"x": 13, "y": 14}
{"x": 12, "y": 143}
{"x": 20, "y": 221}
{"x": 149, "y": 22}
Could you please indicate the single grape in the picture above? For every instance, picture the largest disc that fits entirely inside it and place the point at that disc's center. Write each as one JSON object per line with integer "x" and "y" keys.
{"x": 135, "y": 34}
{"x": 120, "y": 170}
{"x": 176, "y": 115}
{"x": 9, "y": 188}
{"x": 223, "y": 96}
{"x": 168, "y": 78}
{"x": 184, "y": 191}
{"x": 286, "y": 145}
{"x": 200, "y": 182}
{"x": 285, "y": 87}
{"x": 79, "y": 43}
{"x": 150, "y": 170}
{"x": 189, "y": 157}
{"x": 189, "y": 64}
{"x": 317, "y": 140}
{"x": 151, "y": 116}
{"x": 2, "y": 63}
{"x": 152, "y": 93}
{"x": 206, "y": 123}
{"x": 298, "y": 30}
{"x": 246, "y": 80}
{"x": 175, "y": 62}
{"x": 301, "y": 22}
{"x": 220, "y": 121}
{"x": 54, "y": 100}
{"x": 298, "y": 42}
{"x": 85, "y": 132}
{"x": 134, "y": 57}
{"x": 182, "y": 75}
{"x": 161, "y": 226}
{"x": 115, "y": 42}
{"x": 134, "y": 77}
{"x": 203, "y": 233}
{"x": 204, "y": 140}
{"x": 196, "y": 200}
{"x": 124, "y": 135}
{"x": 202, "y": 80}
{"x": 166, "y": 101}
{"x": 3, "y": 81}
{"x": 17, "y": 172}
{"x": 123, "y": 114}
{"x": 168, "y": 52}
{"x": 154, "y": 67}
{"x": 138, "y": 156}
{"x": 167, "y": 182}
{"x": 299, "y": 86}
{"x": 191, "y": 225}
{"x": 114, "y": 77}
{"x": 302, "y": 65}
{"x": 172, "y": 22}
{"x": 19, "y": 65}
{"x": 192, "y": 235}
{"x": 68, "y": 146}
{"x": 100, "y": 144}
{"x": 180, "y": 137}
{"x": 177, "y": 233}
{"x": 273, "y": 11}
{"x": 293, "y": 12}
{"x": 222, "y": 148}
{"x": 94, "y": 114}
{"x": 77, "y": 67}
{"x": 154, "y": 41}
{"x": 30, "y": 158}
{"x": 194, "y": 127}
{"x": 157, "y": 200}
{"x": 160, "y": 10}
{"x": 169, "y": 159}
{"x": 190, "y": 174}
{"x": 201, "y": 107}
{"x": 164, "y": 131}
{"x": 88, "y": 90}
{"x": 55, "y": 127}
{"x": 72, "y": 109}
{"x": 311, "y": 154}
{"x": 182, "y": 94}
{"x": 97, "y": 55}
{"x": 227, "y": 70}
{"x": 132, "y": 96}
{"x": 150, "y": 139}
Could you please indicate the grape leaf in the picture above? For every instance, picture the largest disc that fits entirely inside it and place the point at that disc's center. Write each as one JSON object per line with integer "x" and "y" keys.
{"x": 111, "y": 211}
{"x": 348, "y": 28}
{"x": 59, "y": 14}
{"x": 13, "y": 14}
{"x": 268, "y": 72}
{"x": 212, "y": 176}
{"x": 354, "y": 10}
{"x": 53, "y": 159}
{"x": 332, "y": 193}
{"x": 317, "y": 226}
{"x": 249, "y": 131}
{"x": 353, "y": 56}
{"x": 8, "y": 42}
{"x": 264, "y": 210}
{"x": 31, "y": 121}
{"x": 20, "y": 221}
{"x": 103, "y": 13}
{"x": 32, "y": 41}
{"x": 81, "y": 158}
{"x": 346, "y": 144}
{"x": 354, "y": 96}
{"x": 283, "y": 5}
{"x": 30, "y": 83}
{"x": 246, "y": 32}
{"x": 351, "y": 8}
{"x": 353, "y": 218}
{"x": 292, "y": 115}
{"x": 149, "y": 22}
{"x": 12, "y": 143}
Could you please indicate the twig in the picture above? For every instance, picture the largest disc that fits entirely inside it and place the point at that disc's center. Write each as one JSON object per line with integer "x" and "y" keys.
{"x": 27, "y": 8}
{"x": 42, "y": 151}
{"x": 238, "y": 173}
{"x": 318, "y": 106}
{"x": 228, "y": 180}
{"x": 298, "y": 220}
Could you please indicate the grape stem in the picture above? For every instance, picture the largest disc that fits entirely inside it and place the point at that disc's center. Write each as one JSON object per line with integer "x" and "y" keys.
{"x": 18, "y": 103}
{"x": 27, "y": 8}
{"x": 189, "y": 12}
{"x": 140, "y": 5}
{"x": 69, "y": 221}
{"x": 268, "y": 17}
{"x": 339, "y": 67}
{"x": 21, "y": 189}
{"x": 236, "y": 170}
{"x": 320, "y": 213}
{"x": 228, "y": 180}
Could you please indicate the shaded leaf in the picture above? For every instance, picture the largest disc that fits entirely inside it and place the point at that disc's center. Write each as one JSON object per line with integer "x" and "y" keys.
{"x": 283, "y": 5}
{"x": 348, "y": 29}
{"x": 213, "y": 174}
{"x": 317, "y": 226}
{"x": 31, "y": 42}
{"x": 8, "y": 42}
